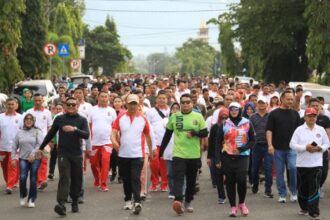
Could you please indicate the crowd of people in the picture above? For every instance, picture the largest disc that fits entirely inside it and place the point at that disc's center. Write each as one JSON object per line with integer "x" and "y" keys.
{"x": 164, "y": 125}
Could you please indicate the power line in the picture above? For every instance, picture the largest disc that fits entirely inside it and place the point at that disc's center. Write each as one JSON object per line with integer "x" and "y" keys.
{"x": 154, "y": 11}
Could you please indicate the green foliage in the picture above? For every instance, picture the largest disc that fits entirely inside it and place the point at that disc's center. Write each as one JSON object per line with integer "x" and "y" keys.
{"x": 10, "y": 39}
{"x": 161, "y": 63}
{"x": 273, "y": 38}
{"x": 34, "y": 30}
{"x": 196, "y": 57}
{"x": 103, "y": 49}
{"x": 229, "y": 60}
{"x": 318, "y": 41}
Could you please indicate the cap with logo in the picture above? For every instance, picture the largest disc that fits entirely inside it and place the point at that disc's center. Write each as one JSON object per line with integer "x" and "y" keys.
{"x": 310, "y": 111}
{"x": 262, "y": 99}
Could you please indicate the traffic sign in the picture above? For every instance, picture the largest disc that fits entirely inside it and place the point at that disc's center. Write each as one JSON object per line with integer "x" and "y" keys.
{"x": 75, "y": 64}
{"x": 63, "y": 50}
{"x": 81, "y": 51}
{"x": 50, "y": 49}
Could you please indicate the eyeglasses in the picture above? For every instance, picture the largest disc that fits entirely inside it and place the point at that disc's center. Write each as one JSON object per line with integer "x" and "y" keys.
{"x": 311, "y": 116}
{"x": 185, "y": 102}
{"x": 71, "y": 104}
{"x": 234, "y": 109}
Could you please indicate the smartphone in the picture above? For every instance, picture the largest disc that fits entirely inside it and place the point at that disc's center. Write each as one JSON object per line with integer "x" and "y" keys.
{"x": 314, "y": 144}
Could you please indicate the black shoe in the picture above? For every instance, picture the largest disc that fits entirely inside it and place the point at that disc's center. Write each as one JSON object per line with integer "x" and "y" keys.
{"x": 255, "y": 189}
{"x": 268, "y": 195}
{"x": 74, "y": 207}
{"x": 51, "y": 177}
{"x": 81, "y": 200}
{"x": 113, "y": 177}
{"x": 9, "y": 191}
{"x": 43, "y": 186}
{"x": 60, "y": 209}
{"x": 120, "y": 181}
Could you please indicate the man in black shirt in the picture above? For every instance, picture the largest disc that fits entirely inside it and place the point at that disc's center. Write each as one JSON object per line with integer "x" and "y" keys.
{"x": 71, "y": 128}
{"x": 281, "y": 124}
{"x": 324, "y": 122}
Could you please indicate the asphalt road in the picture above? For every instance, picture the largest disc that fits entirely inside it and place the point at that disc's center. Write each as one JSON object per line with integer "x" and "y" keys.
{"x": 108, "y": 205}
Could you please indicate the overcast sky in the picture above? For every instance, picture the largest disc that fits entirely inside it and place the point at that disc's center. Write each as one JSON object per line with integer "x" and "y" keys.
{"x": 149, "y": 31}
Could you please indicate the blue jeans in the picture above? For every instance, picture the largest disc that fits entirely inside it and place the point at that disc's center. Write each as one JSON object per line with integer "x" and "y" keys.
{"x": 170, "y": 176}
{"x": 281, "y": 158}
{"x": 26, "y": 167}
{"x": 260, "y": 152}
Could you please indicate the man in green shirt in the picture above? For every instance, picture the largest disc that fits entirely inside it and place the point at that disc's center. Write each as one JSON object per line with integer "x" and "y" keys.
{"x": 188, "y": 128}
{"x": 26, "y": 100}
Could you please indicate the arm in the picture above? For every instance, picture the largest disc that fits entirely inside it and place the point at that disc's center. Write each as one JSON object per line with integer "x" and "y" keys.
{"x": 15, "y": 147}
{"x": 149, "y": 143}
{"x": 295, "y": 143}
{"x": 211, "y": 144}
{"x": 114, "y": 139}
{"x": 325, "y": 141}
{"x": 219, "y": 144}
{"x": 165, "y": 141}
{"x": 51, "y": 133}
{"x": 201, "y": 134}
{"x": 83, "y": 131}
{"x": 269, "y": 136}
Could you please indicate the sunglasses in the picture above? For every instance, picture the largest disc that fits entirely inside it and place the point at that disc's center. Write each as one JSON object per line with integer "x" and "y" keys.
{"x": 185, "y": 102}
{"x": 71, "y": 104}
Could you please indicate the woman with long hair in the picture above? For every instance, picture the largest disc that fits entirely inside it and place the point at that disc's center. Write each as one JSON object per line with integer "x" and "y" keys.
{"x": 234, "y": 140}
{"x": 27, "y": 141}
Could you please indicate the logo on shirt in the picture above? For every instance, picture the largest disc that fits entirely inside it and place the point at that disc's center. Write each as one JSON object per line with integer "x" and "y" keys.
{"x": 318, "y": 135}
{"x": 109, "y": 114}
{"x": 16, "y": 121}
{"x": 44, "y": 117}
{"x": 195, "y": 122}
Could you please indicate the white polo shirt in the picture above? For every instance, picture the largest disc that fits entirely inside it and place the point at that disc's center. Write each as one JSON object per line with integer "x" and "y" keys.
{"x": 43, "y": 119}
{"x": 303, "y": 136}
{"x": 101, "y": 120}
{"x": 132, "y": 135}
{"x": 84, "y": 109}
{"x": 158, "y": 123}
{"x": 9, "y": 126}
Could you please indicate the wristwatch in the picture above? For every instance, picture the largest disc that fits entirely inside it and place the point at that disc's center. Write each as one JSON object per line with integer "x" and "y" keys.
{"x": 75, "y": 128}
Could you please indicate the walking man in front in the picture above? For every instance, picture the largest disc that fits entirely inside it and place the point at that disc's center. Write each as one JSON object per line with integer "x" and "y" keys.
{"x": 130, "y": 132}
{"x": 309, "y": 141}
{"x": 188, "y": 128}
{"x": 71, "y": 128}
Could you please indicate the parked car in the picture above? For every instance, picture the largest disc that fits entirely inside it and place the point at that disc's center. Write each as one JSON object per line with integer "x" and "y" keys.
{"x": 78, "y": 79}
{"x": 44, "y": 87}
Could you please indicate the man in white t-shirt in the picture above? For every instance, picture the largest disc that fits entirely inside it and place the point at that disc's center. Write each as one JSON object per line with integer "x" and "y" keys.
{"x": 10, "y": 123}
{"x": 158, "y": 117}
{"x": 130, "y": 132}
{"x": 43, "y": 121}
{"x": 101, "y": 118}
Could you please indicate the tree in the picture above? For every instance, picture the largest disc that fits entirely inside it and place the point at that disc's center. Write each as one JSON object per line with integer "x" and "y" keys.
{"x": 160, "y": 63}
{"x": 318, "y": 41}
{"x": 228, "y": 57}
{"x": 196, "y": 57}
{"x": 273, "y": 37}
{"x": 10, "y": 39}
{"x": 103, "y": 49}
{"x": 34, "y": 32}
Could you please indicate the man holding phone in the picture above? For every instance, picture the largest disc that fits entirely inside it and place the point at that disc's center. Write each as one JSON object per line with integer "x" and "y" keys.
{"x": 309, "y": 141}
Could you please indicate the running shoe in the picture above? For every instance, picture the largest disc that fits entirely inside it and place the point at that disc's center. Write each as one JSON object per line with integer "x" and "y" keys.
{"x": 221, "y": 201}
{"x": 137, "y": 208}
{"x": 293, "y": 198}
{"x": 244, "y": 209}
{"x": 188, "y": 207}
{"x": 268, "y": 195}
{"x": 128, "y": 205}
{"x": 177, "y": 207}
{"x": 281, "y": 199}
{"x": 303, "y": 212}
{"x": 233, "y": 211}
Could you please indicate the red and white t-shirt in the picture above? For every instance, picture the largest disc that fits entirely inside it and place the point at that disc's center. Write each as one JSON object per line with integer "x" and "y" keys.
{"x": 43, "y": 119}
{"x": 158, "y": 123}
{"x": 84, "y": 109}
{"x": 101, "y": 120}
{"x": 132, "y": 134}
{"x": 9, "y": 126}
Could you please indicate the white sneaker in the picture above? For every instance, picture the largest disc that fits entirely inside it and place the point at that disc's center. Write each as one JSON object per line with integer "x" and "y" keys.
{"x": 31, "y": 204}
{"x": 281, "y": 199}
{"x": 293, "y": 198}
{"x": 137, "y": 208}
{"x": 22, "y": 201}
{"x": 128, "y": 205}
